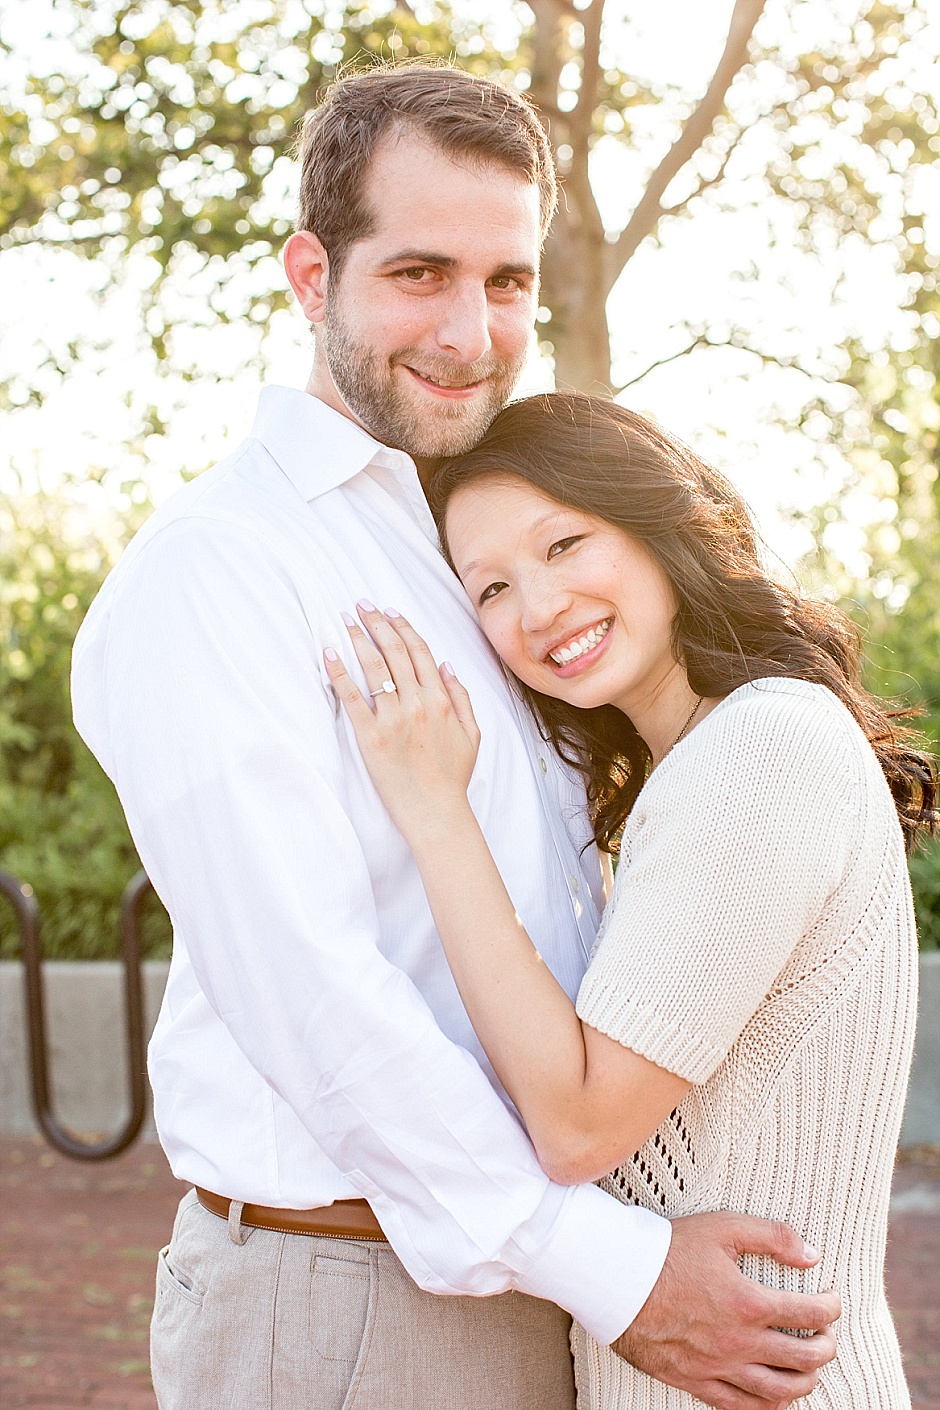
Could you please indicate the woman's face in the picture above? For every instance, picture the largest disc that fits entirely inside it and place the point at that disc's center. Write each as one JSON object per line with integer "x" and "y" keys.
{"x": 574, "y": 606}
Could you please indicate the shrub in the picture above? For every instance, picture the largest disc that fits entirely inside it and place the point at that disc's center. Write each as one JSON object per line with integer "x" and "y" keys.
{"x": 61, "y": 826}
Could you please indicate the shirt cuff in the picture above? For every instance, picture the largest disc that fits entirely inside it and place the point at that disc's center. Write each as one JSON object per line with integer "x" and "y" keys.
{"x": 601, "y": 1261}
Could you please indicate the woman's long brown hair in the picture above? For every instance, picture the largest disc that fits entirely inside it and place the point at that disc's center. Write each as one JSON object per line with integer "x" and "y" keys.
{"x": 734, "y": 624}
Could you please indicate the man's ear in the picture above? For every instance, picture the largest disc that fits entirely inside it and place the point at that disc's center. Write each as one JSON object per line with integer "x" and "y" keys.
{"x": 307, "y": 265}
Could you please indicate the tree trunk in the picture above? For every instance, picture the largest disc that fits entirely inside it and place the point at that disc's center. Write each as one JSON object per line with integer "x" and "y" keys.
{"x": 575, "y": 289}
{"x": 581, "y": 264}
{"x": 574, "y": 270}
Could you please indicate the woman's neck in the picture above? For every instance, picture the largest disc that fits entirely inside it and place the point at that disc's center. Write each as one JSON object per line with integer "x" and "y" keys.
{"x": 667, "y": 718}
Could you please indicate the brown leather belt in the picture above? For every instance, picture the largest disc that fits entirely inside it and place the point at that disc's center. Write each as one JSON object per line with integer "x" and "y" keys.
{"x": 344, "y": 1219}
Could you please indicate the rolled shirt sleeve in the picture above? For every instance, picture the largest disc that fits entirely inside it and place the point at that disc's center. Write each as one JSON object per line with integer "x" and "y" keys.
{"x": 202, "y": 692}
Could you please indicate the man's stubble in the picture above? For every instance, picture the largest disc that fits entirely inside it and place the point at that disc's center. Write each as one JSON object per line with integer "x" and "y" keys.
{"x": 367, "y": 384}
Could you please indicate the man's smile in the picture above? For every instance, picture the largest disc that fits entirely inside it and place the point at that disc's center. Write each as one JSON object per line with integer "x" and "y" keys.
{"x": 452, "y": 388}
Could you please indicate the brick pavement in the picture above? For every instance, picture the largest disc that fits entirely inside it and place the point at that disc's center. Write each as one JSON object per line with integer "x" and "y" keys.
{"x": 75, "y": 1292}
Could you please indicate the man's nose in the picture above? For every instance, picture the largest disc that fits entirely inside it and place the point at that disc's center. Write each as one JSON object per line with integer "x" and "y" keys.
{"x": 464, "y": 327}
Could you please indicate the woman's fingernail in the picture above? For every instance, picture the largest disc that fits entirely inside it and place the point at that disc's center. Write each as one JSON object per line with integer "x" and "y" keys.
{"x": 810, "y": 1252}
{"x": 330, "y": 654}
{"x": 390, "y": 612}
{"x": 350, "y": 621}
{"x": 365, "y": 605}
{"x": 448, "y": 669}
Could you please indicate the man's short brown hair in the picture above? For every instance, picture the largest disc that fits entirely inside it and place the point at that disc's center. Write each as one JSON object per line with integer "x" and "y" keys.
{"x": 465, "y": 116}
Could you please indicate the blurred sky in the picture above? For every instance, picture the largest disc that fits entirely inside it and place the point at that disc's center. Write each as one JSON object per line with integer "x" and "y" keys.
{"x": 735, "y": 265}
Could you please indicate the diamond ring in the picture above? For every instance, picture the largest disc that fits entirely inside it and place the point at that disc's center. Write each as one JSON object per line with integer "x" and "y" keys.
{"x": 386, "y": 688}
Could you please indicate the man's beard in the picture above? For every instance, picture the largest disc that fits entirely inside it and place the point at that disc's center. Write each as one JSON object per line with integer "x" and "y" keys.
{"x": 379, "y": 400}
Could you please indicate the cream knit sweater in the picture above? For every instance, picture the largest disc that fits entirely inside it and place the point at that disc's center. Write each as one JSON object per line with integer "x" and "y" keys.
{"x": 760, "y": 942}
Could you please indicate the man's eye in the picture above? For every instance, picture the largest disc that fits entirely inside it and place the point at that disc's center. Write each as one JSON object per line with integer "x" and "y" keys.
{"x": 490, "y": 592}
{"x": 561, "y": 544}
{"x": 415, "y": 275}
{"x": 504, "y": 281}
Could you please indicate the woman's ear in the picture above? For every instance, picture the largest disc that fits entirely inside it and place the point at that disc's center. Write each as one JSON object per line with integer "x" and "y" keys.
{"x": 307, "y": 264}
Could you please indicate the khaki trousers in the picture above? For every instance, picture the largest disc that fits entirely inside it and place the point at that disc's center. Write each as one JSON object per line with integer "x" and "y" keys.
{"x": 247, "y": 1319}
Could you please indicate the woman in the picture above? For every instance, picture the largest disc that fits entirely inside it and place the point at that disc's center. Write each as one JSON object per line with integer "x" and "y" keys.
{"x": 743, "y": 1034}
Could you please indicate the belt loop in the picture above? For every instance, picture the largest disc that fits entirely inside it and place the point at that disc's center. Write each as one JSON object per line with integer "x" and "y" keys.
{"x": 237, "y": 1231}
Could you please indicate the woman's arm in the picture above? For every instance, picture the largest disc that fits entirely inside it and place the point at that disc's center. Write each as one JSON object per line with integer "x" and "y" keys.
{"x": 587, "y": 1101}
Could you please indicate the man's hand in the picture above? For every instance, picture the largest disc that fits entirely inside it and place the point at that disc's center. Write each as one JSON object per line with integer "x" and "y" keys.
{"x": 709, "y": 1330}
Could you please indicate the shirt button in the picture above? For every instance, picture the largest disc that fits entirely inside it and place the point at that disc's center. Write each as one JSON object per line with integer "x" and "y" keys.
{"x": 575, "y": 884}
{"x": 542, "y": 765}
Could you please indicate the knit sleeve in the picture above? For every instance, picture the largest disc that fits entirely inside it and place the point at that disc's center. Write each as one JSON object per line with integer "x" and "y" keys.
{"x": 735, "y": 844}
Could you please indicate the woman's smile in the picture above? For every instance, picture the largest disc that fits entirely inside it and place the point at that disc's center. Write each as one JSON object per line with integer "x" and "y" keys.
{"x": 579, "y": 650}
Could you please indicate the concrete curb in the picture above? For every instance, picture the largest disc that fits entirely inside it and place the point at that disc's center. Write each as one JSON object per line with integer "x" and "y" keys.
{"x": 922, "y": 1113}
{"x": 86, "y": 1034}
{"x": 85, "y": 1025}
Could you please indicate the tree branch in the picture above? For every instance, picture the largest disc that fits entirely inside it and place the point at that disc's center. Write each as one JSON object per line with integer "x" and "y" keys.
{"x": 546, "y": 56}
{"x": 566, "y": 7}
{"x": 582, "y": 118}
{"x": 28, "y": 235}
{"x": 702, "y": 340}
{"x": 647, "y": 214}
{"x": 706, "y": 182}
{"x": 580, "y": 126}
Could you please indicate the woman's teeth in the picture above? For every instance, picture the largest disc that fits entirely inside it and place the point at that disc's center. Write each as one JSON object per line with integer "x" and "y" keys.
{"x": 574, "y": 649}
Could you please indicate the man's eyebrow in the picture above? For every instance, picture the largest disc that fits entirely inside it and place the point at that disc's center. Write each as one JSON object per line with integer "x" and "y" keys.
{"x": 521, "y": 269}
{"x": 414, "y": 256}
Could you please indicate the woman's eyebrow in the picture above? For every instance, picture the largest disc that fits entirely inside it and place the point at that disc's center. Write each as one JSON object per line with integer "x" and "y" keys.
{"x": 536, "y": 524}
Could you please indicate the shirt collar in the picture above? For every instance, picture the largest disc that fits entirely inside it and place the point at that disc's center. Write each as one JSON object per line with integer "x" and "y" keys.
{"x": 318, "y": 448}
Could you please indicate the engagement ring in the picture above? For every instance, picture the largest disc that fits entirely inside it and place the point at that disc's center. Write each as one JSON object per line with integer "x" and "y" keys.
{"x": 386, "y": 688}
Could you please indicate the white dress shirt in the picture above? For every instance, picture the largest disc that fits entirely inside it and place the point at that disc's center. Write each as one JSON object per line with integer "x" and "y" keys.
{"x": 311, "y": 1045}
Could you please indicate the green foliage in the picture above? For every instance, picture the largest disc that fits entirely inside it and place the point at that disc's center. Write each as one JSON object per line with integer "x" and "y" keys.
{"x": 61, "y": 826}
{"x": 859, "y": 127}
{"x": 925, "y": 879}
{"x": 76, "y": 853}
{"x": 878, "y": 544}
{"x": 890, "y": 438}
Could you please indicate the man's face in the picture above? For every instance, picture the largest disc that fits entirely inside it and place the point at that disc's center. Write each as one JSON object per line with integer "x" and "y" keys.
{"x": 426, "y": 330}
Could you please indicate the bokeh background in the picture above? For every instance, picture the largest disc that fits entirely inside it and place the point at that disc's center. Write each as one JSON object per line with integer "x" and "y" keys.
{"x": 748, "y": 250}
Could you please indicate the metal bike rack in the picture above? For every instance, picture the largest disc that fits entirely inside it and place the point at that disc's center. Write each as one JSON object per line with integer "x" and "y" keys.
{"x": 26, "y": 907}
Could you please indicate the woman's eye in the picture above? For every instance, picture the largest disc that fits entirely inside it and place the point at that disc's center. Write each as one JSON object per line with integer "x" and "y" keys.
{"x": 561, "y": 544}
{"x": 490, "y": 592}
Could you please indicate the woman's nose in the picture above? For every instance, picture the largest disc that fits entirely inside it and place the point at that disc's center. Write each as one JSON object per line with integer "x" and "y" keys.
{"x": 543, "y": 602}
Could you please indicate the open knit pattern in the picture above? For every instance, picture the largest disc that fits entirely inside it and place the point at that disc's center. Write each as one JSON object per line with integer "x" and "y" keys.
{"x": 760, "y": 942}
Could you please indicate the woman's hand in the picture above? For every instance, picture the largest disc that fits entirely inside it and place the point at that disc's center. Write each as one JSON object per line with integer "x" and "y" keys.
{"x": 420, "y": 739}
{"x": 587, "y": 1101}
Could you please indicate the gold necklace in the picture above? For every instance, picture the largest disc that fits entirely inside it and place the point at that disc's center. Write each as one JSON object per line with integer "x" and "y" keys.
{"x": 684, "y": 729}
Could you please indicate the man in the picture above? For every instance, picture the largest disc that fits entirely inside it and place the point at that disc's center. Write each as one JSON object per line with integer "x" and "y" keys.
{"x": 315, "y": 1076}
